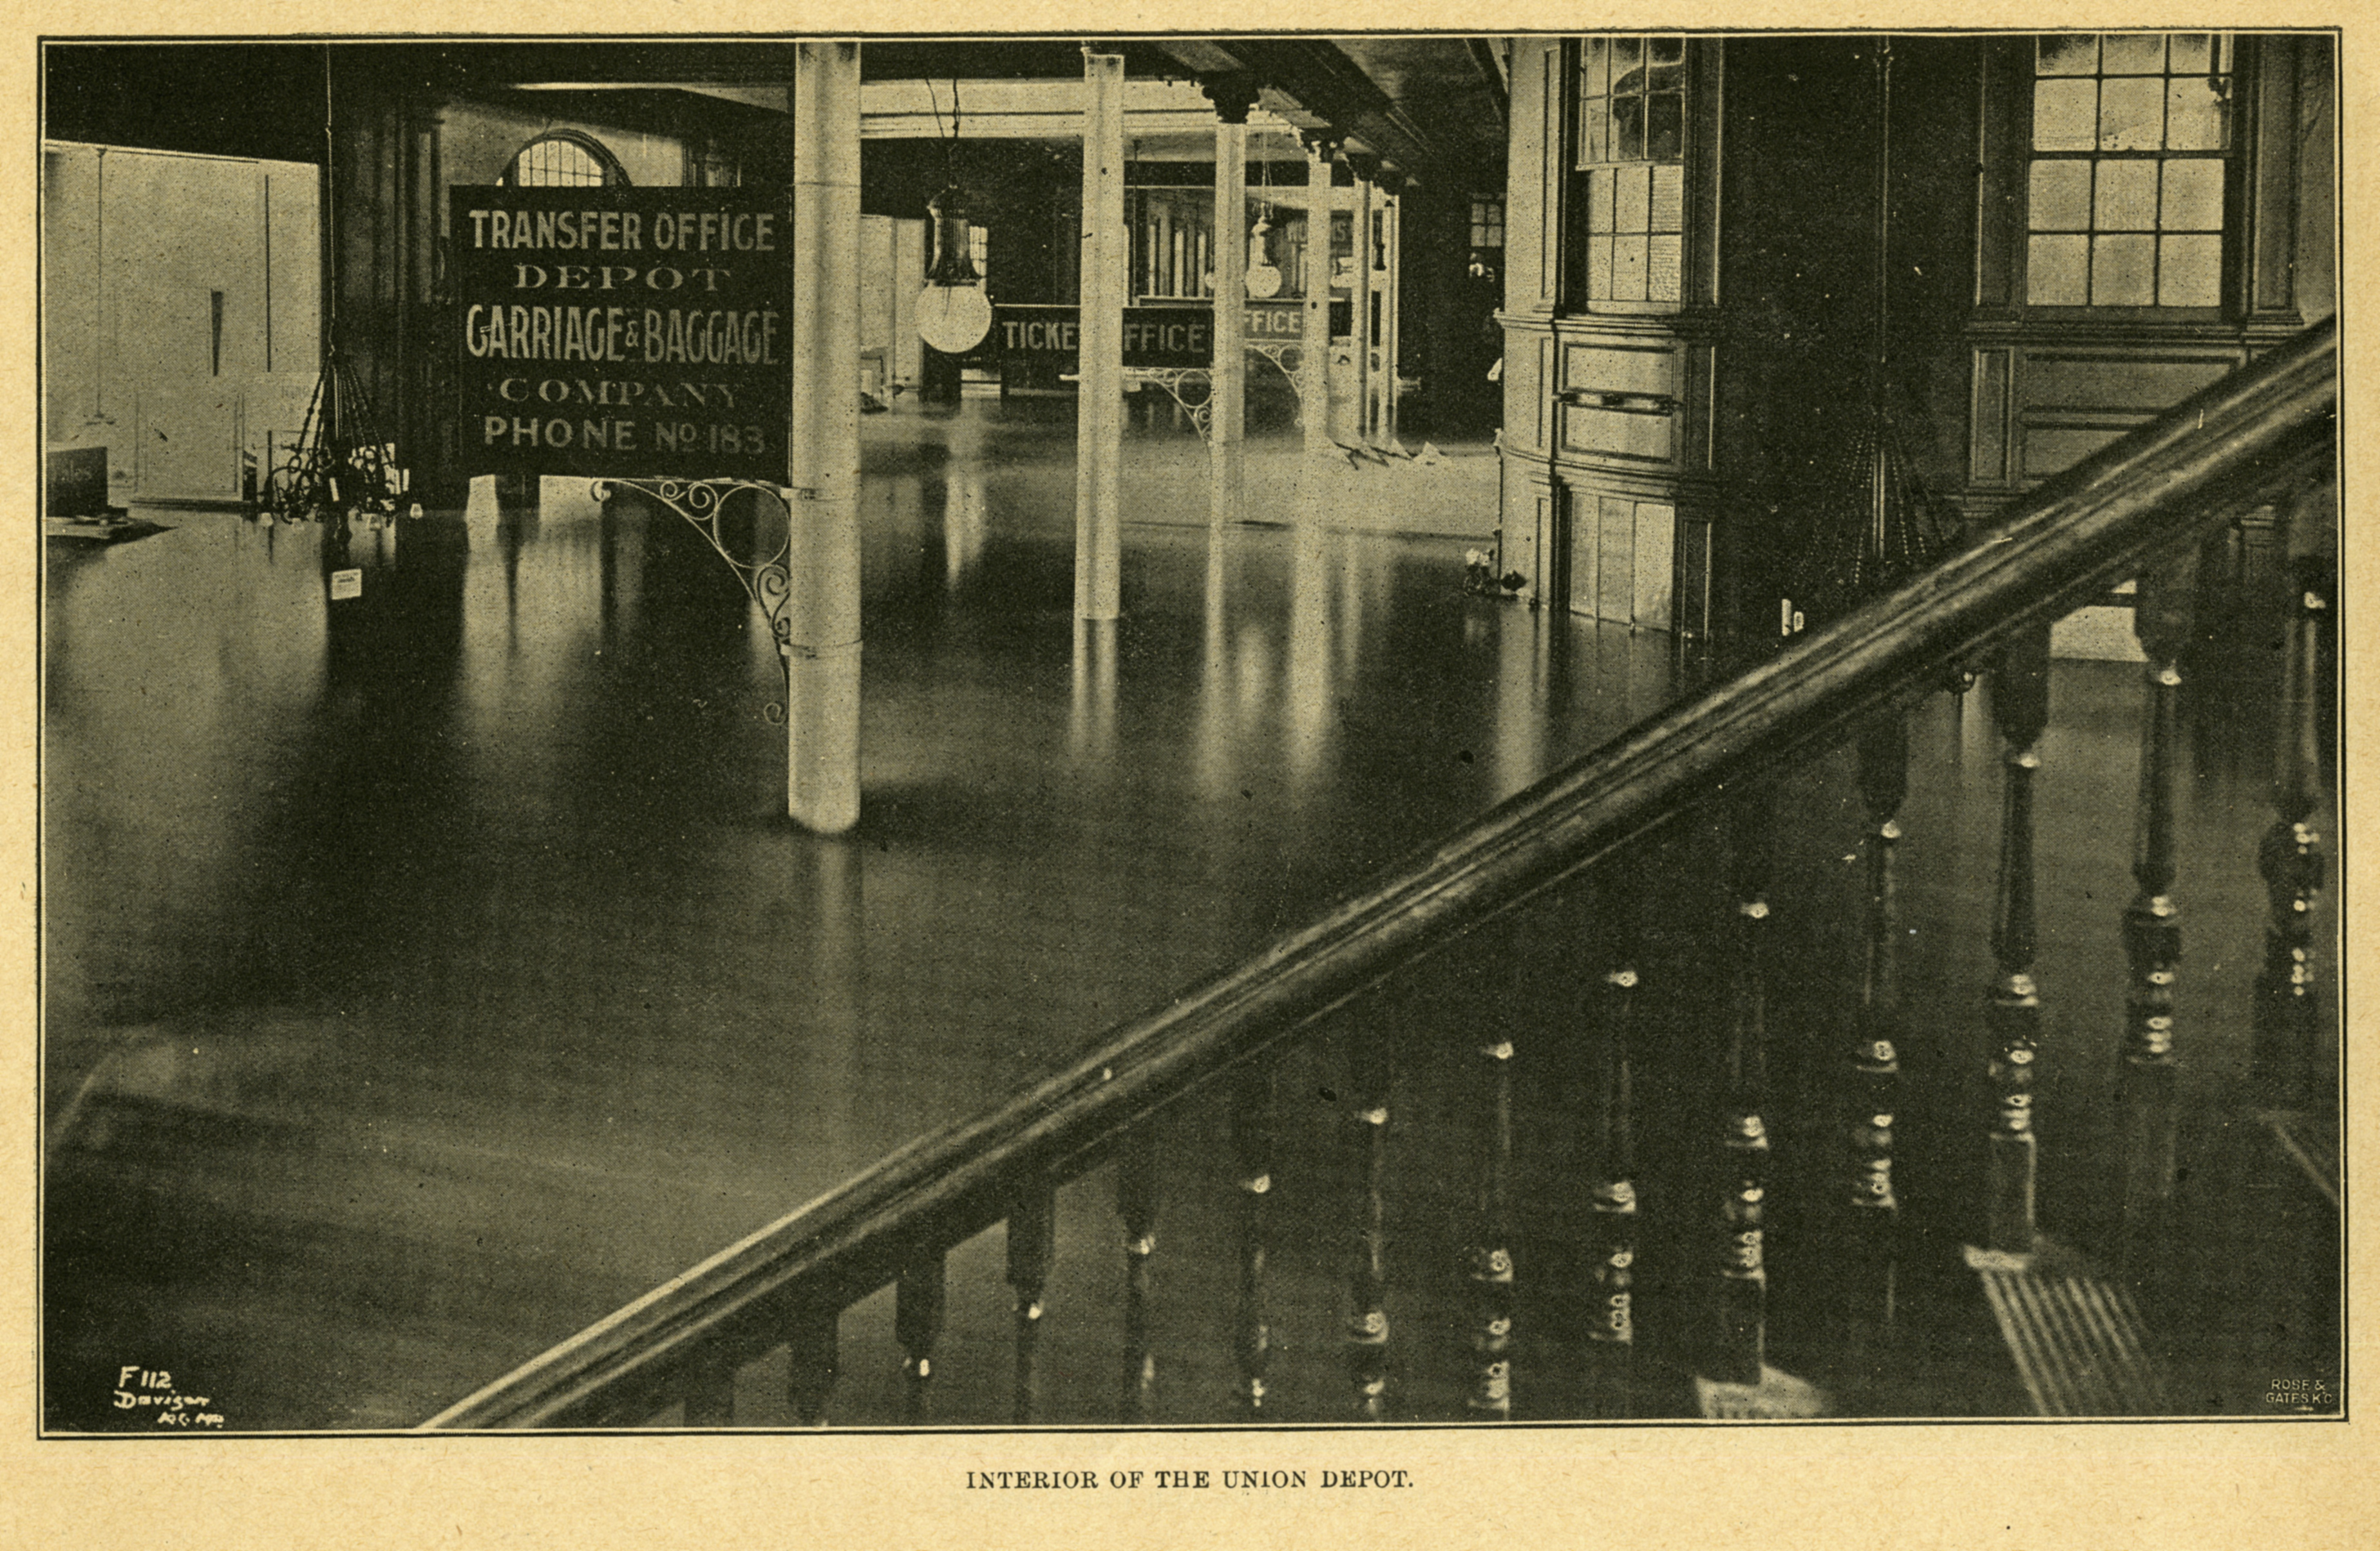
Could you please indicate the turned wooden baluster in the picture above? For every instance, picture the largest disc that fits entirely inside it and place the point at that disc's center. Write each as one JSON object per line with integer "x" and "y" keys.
{"x": 1032, "y": 1247}
{"x": 811, "y": 1355}
{"x": 1136, "y": 1204}
{"x": 2020, "y": 707}
{"x": 1491, "y": 1251}
{"x": 1612, "y": 1327}
{"x": 1872, "y": 1082}
{"x": 2151, "y": 922}
{"x": 1738, "y": 1350}
{"x": 917, "y": 1301}
{"x": 1367, "y": 1322}
{"x": 1251, "y": 1096}
{"x": 2288, "y": 1026}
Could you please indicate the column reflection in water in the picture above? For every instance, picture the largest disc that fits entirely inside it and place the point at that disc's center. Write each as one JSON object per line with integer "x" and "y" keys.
{"x": 1214, "y": 756}
{"x": 1091, "y": 725}
{"x": 621, "y": 530}
{"x": 281, "y": 664}
{"x": 490, "y": 632}
{"x": 482, "y": 509}
{"x": 1523, "y": 639}
{"x": 1650, "y": 654}
{"x": 838, "y": 1004}
{"x": 1308, "y": 712}
{"x": 402, "y": 616}
{"x": 822, "y": 1063}
{"x": 521, "y": 710}
{"x": 953, "y": 494}
{"x": 1253, "y": 681}
{"x": 1355, "y": 578}
{"x": 965, "y": 524}
{"x": 513, "y": 532}
{"x": 363, "y": 794}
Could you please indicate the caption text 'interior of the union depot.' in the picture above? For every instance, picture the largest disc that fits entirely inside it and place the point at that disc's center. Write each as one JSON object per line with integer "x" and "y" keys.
{"x": 1002, "y": 730}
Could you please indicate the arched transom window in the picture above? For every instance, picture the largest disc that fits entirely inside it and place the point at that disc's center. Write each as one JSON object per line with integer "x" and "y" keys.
{"x": 563, "y": 161}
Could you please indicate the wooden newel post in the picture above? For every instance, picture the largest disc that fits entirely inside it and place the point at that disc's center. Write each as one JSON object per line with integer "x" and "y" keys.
{"x": 2012, "y": 1016}
{"x": 1032, "y": 1248}
{"x": 1739, "y": 1337}
{"x": 1252, "y": 1099}
{"x": 1491, "y": 1248}
{"x": 2162, "y": 615}
{"x": 2288, "y": 1007}
{"x": 1367, "y": 1320}
{"x": 917, "y": 1301}
{"x": 1137, "y": 1205}
{"x": 1872, "y": 1078}
{"x": 1611, "y": 1192}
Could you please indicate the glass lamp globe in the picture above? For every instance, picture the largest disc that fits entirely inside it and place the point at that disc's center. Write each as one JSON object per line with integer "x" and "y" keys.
{"x": 954, "y": 318}
{"x": 1263, "y": 279}
{"x": 953, "y": 312}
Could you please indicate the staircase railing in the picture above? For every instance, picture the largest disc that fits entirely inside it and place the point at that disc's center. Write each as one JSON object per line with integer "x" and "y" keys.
{"x": 2262, "y": 437}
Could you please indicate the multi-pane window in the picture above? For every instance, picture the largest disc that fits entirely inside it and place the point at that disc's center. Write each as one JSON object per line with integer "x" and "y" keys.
{"x": 555, "y": 162}
{"x": 1487, "y": 223}
{"x": 2131, "y": 139}
{"x": 1632, "y": 147}
{"x": 1487, "y": 240}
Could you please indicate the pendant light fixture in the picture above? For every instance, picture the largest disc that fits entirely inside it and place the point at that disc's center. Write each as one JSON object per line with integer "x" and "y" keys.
{"x": 954, "y": 315}
{"x": 1264, "y": 280}
{"x": 953, "y": 312}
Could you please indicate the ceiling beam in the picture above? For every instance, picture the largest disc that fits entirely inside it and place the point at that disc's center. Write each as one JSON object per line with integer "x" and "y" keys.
{"x": 924, "y": 109}
{"x": 1489, "y": 60}
{"x": 1322, "y": 81}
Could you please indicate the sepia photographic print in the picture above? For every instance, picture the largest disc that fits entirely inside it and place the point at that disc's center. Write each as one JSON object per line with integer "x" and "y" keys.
{"x": 1189, "y": 779}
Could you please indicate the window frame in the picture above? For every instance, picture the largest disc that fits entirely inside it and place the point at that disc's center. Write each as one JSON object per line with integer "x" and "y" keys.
{"x": 1487, "y": 217}
{"x": 1485, "y": 260}
{"x": 615, "y": 174}
{"x": 1701, "y": 71}
{"x": 2020, "y": 155}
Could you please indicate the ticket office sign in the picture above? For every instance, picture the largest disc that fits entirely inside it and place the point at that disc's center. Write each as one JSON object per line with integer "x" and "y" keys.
{"x": 1154, "y": 337}
{"x": 623, "y": 331}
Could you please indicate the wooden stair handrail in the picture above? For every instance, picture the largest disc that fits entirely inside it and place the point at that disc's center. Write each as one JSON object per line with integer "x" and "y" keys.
{"x": 2261, "y": 433}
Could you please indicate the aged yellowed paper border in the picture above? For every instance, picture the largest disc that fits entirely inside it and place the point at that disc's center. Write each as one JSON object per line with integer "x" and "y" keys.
{"x": 2098, "y": 1486}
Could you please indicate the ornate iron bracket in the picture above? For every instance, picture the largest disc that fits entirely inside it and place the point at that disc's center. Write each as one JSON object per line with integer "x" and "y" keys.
{"x": 702, "y": 503}
{"x": 1193, "y": 387}
{"x": 1289, "y": 356}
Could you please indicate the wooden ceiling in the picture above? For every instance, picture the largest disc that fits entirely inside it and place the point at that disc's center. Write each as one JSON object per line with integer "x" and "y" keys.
{"x": 1431, "y": 107}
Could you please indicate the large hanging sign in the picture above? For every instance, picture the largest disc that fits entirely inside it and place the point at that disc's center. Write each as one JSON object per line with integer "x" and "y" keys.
{"x": 1154, "y": 337}
{"x": 623, "y": 331}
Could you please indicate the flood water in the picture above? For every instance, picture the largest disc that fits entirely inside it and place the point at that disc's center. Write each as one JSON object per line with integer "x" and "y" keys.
{"x": 430, "y": 970}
